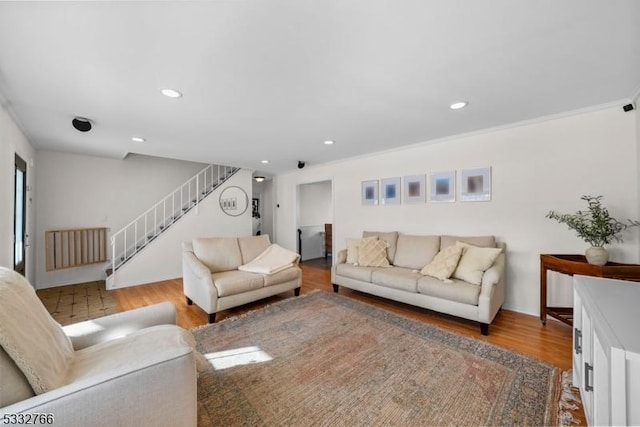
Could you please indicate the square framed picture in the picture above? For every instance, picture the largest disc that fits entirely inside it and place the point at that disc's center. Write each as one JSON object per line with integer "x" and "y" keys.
{"x": 476, "y": 185}
{"x": 443, "y": 187}
{"x": 370, "y": 192}
{"x": 390, "y": 191}
{"x": 414, "y": 189}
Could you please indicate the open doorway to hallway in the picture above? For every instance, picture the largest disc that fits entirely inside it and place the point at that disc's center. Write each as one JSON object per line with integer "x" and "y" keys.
{"x": 314, "y": 216}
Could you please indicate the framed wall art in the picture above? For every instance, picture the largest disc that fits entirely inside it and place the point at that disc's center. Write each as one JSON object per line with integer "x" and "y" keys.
{"x": 476, "y": 185}
{"x": 443, "y": 187}
{"x": 370, "y": 192}
{"x": 390, "y": 191}
{"x": 414, "y": 189}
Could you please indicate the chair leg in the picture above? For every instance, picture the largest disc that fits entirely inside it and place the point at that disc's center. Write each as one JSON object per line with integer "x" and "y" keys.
{"x": 189, "y": 302}
{"x": 296, "y": 292}
{"x": 335, "y": 287}
{"x": 212, "y": 318}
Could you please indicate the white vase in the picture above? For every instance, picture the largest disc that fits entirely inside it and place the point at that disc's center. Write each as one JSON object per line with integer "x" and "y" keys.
{"x": 597, "y": 255}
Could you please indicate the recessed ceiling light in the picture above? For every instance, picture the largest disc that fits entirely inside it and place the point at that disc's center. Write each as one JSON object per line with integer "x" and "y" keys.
{"x": 259, "y": 178}
{"x": 264, "y": 161}
{"x": 458, "y": 105}
{"x": 138, "y": 139}
{"x": 171, "y": 93}
{"x": 329, "y": 142}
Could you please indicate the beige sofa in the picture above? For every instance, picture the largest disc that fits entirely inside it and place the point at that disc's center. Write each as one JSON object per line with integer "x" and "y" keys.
{"x": 211, "y": 277}
{"x": 404, "y": 280}
{"x": 132, "y": 368}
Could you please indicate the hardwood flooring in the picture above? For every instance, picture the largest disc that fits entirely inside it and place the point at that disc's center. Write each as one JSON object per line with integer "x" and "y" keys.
{"x": 515, "y": 331}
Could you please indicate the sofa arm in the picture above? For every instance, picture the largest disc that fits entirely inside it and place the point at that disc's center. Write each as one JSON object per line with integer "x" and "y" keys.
{"x": 492, "y": 291}
{"x": 91, "y": 332}
{"x": 197, "y": 283}
{"x": 150, "y": 394}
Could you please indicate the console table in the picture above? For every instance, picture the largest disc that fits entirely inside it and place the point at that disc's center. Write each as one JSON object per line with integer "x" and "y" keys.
{"x": 577, "y": 264}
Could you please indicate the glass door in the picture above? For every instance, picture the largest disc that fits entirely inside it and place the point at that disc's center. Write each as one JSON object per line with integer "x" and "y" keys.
{"x": 20, "y": 215}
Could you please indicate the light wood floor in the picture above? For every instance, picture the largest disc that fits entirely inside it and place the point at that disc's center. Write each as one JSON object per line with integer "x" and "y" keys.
{"x": 518, "y": 332}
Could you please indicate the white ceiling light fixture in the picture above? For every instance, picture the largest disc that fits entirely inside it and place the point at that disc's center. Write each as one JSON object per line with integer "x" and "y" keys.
{"x": 171, "y": 93}
{"x": 458, "y": 105}
{"x": 264, "y": 161}
{"x": 259, "y": 178}
{"x": 138, "y": 139}
{"x": 328, "y": 142}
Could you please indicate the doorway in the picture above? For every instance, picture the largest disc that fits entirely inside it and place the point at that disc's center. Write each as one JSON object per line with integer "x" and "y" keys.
{"x": 314, "y": 217}
{"x": 20, "y": 215}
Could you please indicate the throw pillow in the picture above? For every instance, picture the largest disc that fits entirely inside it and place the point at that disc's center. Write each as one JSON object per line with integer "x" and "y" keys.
{"x": 353, "y": 246}
{"x": 474, "y": 262}
{"x": 444, "y": 263}
{"x": 36, "y": 343}
{"x": 373, "y": 253}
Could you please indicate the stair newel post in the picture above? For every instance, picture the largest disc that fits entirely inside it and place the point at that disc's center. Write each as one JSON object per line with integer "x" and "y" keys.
{"x": 124, "y": 244}
{"x": 146, "y": 230}
{"x": 198, "y": 194}
{"x": 113, "y": 259}
{"x": 135, "y": 237}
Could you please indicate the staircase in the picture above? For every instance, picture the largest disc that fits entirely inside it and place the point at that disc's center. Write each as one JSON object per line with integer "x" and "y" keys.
{"x": 143, "y": 230}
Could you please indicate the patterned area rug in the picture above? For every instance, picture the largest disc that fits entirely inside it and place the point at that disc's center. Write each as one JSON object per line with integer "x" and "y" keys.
{"x": 75, "y": 303}
{"x": 326, "y": 360}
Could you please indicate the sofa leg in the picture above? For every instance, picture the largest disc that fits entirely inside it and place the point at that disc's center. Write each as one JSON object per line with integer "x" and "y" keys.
{"x": 189, "y": 302}
{"x": 212, "y": 318}
{"x": 484, "y": 329}
{"x": 296, "y": 292}
{"x": 335, "y": 287}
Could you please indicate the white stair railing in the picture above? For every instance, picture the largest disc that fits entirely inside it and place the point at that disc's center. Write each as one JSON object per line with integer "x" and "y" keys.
{"x": 136, "y": 235}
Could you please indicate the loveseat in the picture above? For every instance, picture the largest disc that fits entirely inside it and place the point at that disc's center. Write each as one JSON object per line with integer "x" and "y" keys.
{"x": 219, "y": 273}
{"x": 135, "y": 368}
{"x": 460, "y": 276}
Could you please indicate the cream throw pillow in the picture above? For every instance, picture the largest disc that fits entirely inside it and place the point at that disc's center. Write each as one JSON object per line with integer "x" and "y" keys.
{"x": 373, "y": 253}
{"x": 474, "y": 262}
{"x": 36, "y": 343}
{"x": 444, "y": 263}
{"x": 353, "y": 246}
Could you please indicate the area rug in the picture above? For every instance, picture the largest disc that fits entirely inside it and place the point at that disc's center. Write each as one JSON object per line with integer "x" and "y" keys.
{"x": 327, "y": 360}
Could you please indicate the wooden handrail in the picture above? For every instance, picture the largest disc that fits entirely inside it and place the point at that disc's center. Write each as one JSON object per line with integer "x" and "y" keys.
{"x": 75, "y": 247}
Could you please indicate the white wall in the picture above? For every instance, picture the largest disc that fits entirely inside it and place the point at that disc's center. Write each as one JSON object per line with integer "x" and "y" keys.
{"x": 315, "y": 204}
{"x": 75, "y": 191}
{"x": 535, "y": 168}
{"x": 162, "y": 259}
{"x": 12, "y": 141}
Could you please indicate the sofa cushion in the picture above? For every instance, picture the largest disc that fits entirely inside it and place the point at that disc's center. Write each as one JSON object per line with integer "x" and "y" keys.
{"x": 415, "y": 251}
{"x": 354, "y": 272}
{"x": 373, "y": 253}
{"x": 29, "y": 335}
{"x": 119, "y": 356}
{"x": 444, "y": 263}
{"x": 236, "y": 282}
{"x": 480, "y": 241}
{"x": 252, "y": 246}
{"x": 353, "y": 246}
{"x": 390, "y": 237}
{"x": 291, "y": 273}
{"x": 218, "y": 253}
{"x": 457, "y": 291}
{"x": 405, "y": 279}
{"x": 474, "y": 262}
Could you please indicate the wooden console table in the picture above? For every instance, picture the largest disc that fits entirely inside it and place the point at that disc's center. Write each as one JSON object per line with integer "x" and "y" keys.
{"x": 577, "y": 264}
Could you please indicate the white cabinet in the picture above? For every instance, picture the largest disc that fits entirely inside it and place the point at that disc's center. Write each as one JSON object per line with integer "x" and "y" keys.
{"x": 606, "y": 349}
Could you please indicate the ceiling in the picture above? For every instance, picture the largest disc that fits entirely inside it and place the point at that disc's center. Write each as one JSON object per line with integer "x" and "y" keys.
{"x": 273, "y": 79}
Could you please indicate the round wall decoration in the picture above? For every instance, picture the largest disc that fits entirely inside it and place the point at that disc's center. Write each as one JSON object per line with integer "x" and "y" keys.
{"x": 234, "y": 201}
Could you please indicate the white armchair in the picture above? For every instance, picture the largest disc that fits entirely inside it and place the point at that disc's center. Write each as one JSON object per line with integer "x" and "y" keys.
{"x": 135, "y": 368}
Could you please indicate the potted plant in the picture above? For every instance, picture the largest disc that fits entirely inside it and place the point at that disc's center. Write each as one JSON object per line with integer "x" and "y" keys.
{"x": 596, "y": 227}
